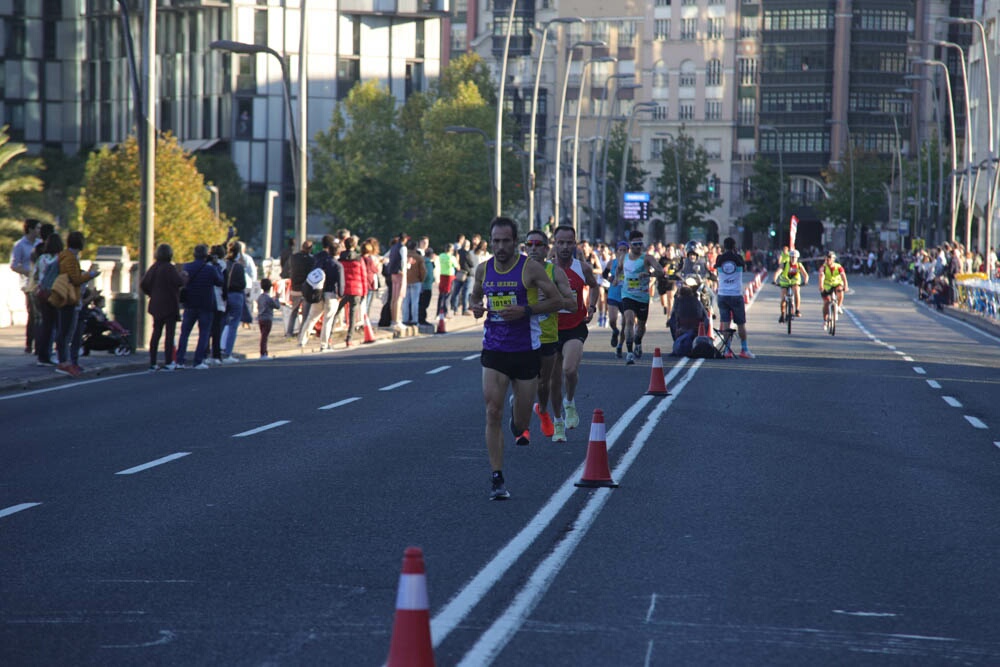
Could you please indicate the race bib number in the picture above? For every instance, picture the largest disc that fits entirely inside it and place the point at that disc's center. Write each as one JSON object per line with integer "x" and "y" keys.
{"x": 633, "y": 284}
{"x": 792, "y": 271}
{"x": 498, "y": 302}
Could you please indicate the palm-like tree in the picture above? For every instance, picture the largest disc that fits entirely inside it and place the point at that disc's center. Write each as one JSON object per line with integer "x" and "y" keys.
{"x": 18, "y": 175}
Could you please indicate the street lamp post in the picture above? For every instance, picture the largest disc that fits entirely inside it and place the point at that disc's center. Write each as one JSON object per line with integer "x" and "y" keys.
{"x": 781, "y": 173}
{"x": 602, "y": 174}
{"x": 559, "y": 126}
{"x": 497, "y": 201}
{"x": 994, "y": 172}
{"x": 576, "y": 133}
{"x": 268, "y": 221}
{"x": 954, "y": 148}
{"x": 636, "y": 108}
{"x": 940, "y": 137}
{"x": 534, "y": 115}
{"x": 850, "y": 157}
{"x": 968, "y": 138}
{"x": 297, "y": 150}
{"x": 462, "y": 129}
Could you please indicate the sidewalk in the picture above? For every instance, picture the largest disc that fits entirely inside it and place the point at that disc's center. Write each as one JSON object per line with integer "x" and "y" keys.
{"x": 19, "y": 370}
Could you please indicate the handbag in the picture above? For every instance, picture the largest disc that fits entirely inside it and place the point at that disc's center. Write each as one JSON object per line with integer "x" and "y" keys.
{"x": 62, "y": 292}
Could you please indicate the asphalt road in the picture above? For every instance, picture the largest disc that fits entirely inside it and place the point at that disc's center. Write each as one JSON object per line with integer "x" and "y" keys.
{"x": 832, "y": 502}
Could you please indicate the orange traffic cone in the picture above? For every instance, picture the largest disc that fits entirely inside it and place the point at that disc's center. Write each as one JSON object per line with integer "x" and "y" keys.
{"x": 440, "y": 327}
{"x": 411, "y": 630}
{"x": 657, "y": 384}
{"x": 369, "y": 334}
{"x": 596, "y": 471}
{"x": 701, "y": 330}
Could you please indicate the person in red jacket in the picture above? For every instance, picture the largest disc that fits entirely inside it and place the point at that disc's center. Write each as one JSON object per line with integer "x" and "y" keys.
{"x": 355, "y": 284}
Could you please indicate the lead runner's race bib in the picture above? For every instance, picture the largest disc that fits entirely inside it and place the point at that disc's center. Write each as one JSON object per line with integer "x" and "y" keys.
{"x": 498, "y": 302}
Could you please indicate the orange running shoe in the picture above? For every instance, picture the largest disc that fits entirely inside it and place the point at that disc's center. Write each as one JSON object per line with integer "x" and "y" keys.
{"x": 548, "y": 428}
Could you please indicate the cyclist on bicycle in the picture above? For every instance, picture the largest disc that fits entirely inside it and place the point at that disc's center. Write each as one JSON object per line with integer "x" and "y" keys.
{"x": 790, "y": 274}
{"x": 833, "y": 281}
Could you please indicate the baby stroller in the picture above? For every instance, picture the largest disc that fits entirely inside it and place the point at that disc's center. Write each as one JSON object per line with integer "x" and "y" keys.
{"x": 100, "y": 333}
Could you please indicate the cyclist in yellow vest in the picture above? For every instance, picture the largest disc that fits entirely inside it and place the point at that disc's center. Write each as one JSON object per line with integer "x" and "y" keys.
{"x": 833, "y": 281}
{"x": 790, "y": 274}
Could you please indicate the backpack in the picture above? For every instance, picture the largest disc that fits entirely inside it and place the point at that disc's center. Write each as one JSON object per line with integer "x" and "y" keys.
{"x": 704, "y": 348}
{"x": 44, "y": 287}
{"x": 682, "y": 344}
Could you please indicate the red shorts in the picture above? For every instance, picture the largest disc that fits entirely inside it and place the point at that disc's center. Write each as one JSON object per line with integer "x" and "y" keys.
{"x": 444, "y": 285}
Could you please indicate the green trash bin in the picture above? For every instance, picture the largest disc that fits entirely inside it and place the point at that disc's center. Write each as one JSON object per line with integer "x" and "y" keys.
{"x": 125, "y": 310}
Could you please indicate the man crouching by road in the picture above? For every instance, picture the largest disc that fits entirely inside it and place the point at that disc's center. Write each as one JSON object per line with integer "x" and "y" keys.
{"x": 511, "y": 356}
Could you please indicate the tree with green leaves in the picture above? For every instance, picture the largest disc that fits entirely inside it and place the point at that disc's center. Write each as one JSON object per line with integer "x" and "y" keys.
{"x": 359, "y": 164}
{"x": 245, "y": 210}
{"x": 467, "y": 68}
{"x": 19, "y": 176}
{"x": 110, "y": 207}
{"x": 764, "y": 196}
{"x": 857, "y": 202}
{"x": 635, "y": 179}
{"x": 686, "y": 164}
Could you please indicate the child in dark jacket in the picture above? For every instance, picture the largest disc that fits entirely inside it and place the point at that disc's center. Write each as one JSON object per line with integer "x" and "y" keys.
{"x": 266, "y": 305}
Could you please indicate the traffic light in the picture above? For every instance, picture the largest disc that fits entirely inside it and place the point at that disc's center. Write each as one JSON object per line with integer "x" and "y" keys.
{"x": 771, "y": 232}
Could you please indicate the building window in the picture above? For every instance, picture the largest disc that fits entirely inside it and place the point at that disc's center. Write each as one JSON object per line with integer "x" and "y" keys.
{"x": 601, "y": 31}
{"x": 688, "y": 77}
{"x": 747, "y": 111}
{"x": 662, "y": 3}
{"x": 15, "y": 38}
{"x": 716, "y": 28}
{"x": 749, "y": 27}
{"x": 418, "y": 47}
{"x": 713, "y": 110}
{"x": 246, "y": 74}
{"x": 713, "y": 149}
{"x": 260, "y": 27}
{"x": 689, "y": 3}
{"x": 656, "y": 147}
{"x": 747, "y": 71}
{"x": 348, "y": 74}
{"x": 661, "y": 29}
{"x": 661, "y": 77}
{"x": 713, "y": 73}
{"x": 661, "y": 111}
{"x": 626, "y": 33}
{"x": 414, "y": 78}
{"x": 685, "y": 111}
{"x": 689, "y": 29}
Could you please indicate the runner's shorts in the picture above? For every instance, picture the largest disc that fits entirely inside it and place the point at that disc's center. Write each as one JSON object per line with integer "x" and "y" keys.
{"x": 579, "y": 332}
{"x": 731, "y": 308}
{"x": 515, "y": 365}
{"x": 640, "y": 308}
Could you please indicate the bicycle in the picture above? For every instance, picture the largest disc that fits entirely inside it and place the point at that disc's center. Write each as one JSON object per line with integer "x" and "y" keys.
{"x": 789, "y": 301}
{"x": 832, "y": 313}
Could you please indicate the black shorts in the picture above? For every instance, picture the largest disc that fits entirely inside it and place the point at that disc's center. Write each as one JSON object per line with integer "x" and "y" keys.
{"x": 515, "y": 365}
{"x": 548, "y": 349}
{"x": 579, "y": 332}
{"x": 826, "y": 293}
{"x": 664, "y": 286}
{"x": 640, "y": 308}
{"x": 731, "y": 308}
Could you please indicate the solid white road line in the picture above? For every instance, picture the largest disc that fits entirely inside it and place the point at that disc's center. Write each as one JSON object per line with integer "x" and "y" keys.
{"x": 397, "y": 385}
{"x": 439, "y": 369}
{"x": 934, "y": 384}
{"x": 952, "y": 401}
{"x": 152, "y": 464}
{"x": 455, "y": 611}
{"x": 70, "y": 385}
{"x": 500, "y": 632}
{"x": 14, "y": 509}
{"x": 259, "y": 429}
{"x": 977, "y": 423}
{"x": 340, "y": 403}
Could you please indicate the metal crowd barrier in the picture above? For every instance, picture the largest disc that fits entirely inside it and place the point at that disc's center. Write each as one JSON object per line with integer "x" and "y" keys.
{"x": 976, "y": 294}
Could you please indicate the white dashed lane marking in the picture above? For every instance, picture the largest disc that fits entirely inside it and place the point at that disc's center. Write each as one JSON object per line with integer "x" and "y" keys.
{"x": 397, "y": 385}
{"x": 340, "y": 403}
{"x": 952, "y": 401}
{"x": 439, "y": 369}
{"x": 934, "y": 384}
{"x": 152, "y": 464}
{"x": 259, "y": 429}
{"x": 976, "y": 422}
{"x": 14, "y": 509}
{"x": 919, "y": 371}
